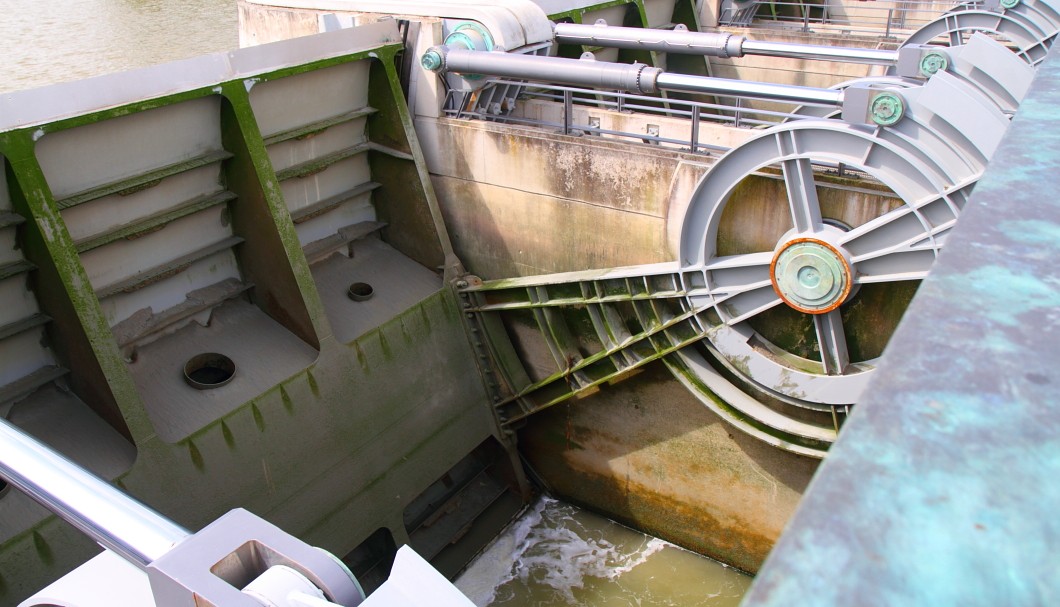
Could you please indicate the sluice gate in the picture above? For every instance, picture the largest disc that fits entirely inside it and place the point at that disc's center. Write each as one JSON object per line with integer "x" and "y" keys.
{"x": 182, "y": 247}
{"x": 379, "y": 285}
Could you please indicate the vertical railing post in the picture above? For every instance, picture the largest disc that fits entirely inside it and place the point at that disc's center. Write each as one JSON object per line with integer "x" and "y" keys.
{"x": 694, "y": 143}
{"x": 568, "y": 109}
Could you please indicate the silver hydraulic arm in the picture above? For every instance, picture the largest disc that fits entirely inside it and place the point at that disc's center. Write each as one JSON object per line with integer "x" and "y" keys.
{"x": 682, "y": 41}
{"x": 207, "y": 569}
{"x": 858, "y": 104}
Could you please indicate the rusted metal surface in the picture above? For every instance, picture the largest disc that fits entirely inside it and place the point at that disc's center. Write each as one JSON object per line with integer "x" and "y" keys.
{"x": 942, "y": 488}
{"x": 648, "y": 454}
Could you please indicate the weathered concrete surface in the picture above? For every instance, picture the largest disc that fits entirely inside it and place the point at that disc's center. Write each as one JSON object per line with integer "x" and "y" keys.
{"x": 523, "y": 201}
{"x": 650, "y": 455}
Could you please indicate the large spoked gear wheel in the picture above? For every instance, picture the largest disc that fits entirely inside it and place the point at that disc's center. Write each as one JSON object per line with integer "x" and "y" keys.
{"x": 814, "y": 266}
{"x": 780, "y": 302}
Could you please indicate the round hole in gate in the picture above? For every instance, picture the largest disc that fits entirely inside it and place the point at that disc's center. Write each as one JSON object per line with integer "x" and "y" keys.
{"x": 209, "y": 370}
{"x": 360, "y": 291}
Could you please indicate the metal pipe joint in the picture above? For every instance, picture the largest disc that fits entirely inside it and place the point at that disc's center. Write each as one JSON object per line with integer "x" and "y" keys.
{"x": 634, "y": 78}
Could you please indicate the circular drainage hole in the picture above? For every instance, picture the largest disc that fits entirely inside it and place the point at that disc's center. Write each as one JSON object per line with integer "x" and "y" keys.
{"x": 360, "y": 291}
{"x": 209, "y": 370}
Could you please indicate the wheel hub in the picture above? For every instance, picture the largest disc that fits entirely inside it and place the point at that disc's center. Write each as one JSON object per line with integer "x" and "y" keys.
{"x": 811, "y": 275}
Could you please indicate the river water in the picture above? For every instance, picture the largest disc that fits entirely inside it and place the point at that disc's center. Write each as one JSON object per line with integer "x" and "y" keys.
{"x": 48, "y": 41}
{"x": 555, "y": 554}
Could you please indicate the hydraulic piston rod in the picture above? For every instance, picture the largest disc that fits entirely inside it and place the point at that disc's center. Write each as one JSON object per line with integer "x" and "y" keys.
{"x": 636, "y": 78}
{"x": 845, "y": 54}
{"x": 682, "y": 41}
{"x": 746, "y": 88}
{"x": 92, "y": 505}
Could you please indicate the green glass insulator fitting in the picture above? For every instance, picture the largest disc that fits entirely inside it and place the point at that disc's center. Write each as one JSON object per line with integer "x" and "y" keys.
{"x": 932, "y": 63}
{"x": 887, "y": 109}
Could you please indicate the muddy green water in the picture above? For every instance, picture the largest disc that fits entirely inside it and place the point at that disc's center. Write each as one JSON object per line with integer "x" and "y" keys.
{"x": 49, "y": 41}
{"x": 555, "y": 554}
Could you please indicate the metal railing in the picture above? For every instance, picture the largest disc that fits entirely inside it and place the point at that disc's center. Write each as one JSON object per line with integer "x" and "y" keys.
{"x": 567, "y": 98}
{"x": 886, "y": 18}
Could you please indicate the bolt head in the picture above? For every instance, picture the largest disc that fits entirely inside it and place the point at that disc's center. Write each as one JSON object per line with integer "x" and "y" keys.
{"x": 932, "y": 63}
{"x": 431, "y": 60}
{"x": 887, "y": 109}
{"x": 1009, "y": 3}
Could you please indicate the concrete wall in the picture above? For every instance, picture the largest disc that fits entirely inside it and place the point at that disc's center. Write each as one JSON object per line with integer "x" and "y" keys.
{"x": 645, "y": 451}
{"x": 524, "y": 201}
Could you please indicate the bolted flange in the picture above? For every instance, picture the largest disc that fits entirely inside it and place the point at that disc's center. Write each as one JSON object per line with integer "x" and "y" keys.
{"x": 470, "y": 35}
{"x": 932, "y": 63}
{"x": 811, "y": 275}
{"x": 886, "y": 109}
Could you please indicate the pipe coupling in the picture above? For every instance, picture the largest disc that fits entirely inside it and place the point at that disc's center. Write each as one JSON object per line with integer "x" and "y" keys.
{"x": 646, "y": 79}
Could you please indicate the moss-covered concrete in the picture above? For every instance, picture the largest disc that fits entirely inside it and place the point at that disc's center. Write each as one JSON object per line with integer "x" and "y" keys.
{"x": 332, "y": 453}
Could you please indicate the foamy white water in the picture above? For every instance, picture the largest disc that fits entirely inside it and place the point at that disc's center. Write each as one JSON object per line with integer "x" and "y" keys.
{"x": 556, "y": 554}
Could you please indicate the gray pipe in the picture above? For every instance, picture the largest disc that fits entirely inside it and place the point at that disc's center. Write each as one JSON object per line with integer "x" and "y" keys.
{"x": 635, "y": 78}
{"x": 92, "y": 505}
{"x": 667, "y": 41}
{"x": 710, "y": 44}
